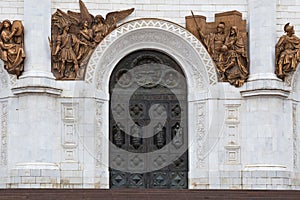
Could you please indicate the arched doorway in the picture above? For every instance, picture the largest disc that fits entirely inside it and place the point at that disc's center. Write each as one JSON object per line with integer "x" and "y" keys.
{"x": 148, "y": 122}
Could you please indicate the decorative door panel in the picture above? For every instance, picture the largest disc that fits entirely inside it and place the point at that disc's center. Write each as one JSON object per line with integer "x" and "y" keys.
{"x": 148, "y": 123}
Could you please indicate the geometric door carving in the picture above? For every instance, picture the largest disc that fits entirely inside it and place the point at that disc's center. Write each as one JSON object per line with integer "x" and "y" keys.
{"x": 148, "y": 122}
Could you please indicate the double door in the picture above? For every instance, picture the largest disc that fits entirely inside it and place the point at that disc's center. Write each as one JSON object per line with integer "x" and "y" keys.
{"x": 148, "y": 123}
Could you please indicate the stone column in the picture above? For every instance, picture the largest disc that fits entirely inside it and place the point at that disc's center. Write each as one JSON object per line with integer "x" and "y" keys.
{"x": 37, "y": 75}
{"x": 262, "y": 38}
{"x": 262, "y": 80}
{"x": 37, "y": 23}
{"x": 266, "y": 118}
{"x": 34, "y": 121}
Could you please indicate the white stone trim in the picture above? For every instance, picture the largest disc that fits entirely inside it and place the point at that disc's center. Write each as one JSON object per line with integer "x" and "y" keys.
{"x": 3, "y": 138}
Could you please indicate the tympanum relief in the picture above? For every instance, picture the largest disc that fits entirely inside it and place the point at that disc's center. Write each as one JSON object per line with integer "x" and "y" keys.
{"x": 287, "y": 52}
{"x": 226, "y": 42}
{"x": 12, "y": 46}
{"x": 74, "y": 37}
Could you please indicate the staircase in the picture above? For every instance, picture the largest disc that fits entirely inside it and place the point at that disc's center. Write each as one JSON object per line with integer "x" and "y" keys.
{"x": 135, "y": 194}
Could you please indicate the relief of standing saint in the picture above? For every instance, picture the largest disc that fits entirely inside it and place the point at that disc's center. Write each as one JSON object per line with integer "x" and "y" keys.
{"x": 287, "y": 52}
{"x": 214, "y": 42}
{"x": 67, "y": 44}
{"x": 234, "y": 66}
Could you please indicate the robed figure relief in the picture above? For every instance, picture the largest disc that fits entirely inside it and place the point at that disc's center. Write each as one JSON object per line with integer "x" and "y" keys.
{"x": 74, "y": 37}
{"x": 287, "y": 52}
{"x": 12, "y": 46}
{"x": 233, "y": 66}
{"x": 226, "y": 42}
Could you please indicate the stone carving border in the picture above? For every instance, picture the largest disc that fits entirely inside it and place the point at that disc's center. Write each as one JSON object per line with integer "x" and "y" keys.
{"x": 3, "y": 144}
{"x": 201, "y": 136}
{"x": 295, "y": 136}
{"x": 99, "y": 133}
{"x": 100, "y": 64}
{"x": 69, "y": 131}
{"x": 6, "y": 79}
{"x": 232, "y": 145}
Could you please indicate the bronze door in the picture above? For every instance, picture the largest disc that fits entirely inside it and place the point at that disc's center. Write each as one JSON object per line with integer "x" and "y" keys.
{"x": 148, "y": 123}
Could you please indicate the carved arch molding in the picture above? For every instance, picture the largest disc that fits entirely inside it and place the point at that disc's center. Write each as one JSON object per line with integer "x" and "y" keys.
{"x": 172, "y": 40}
{"x": 157, "y": 34}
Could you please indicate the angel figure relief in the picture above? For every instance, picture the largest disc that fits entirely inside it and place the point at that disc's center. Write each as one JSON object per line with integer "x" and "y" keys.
{"x": 12, "y": 46}
{"x": 74, "y": 37}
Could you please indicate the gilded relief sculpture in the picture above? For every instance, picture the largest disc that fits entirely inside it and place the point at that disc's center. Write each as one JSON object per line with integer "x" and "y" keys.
{"x": 287, "y": 52}
{"x": 226, "y": 42}
{"x": 74, "y": 37}
{"x": 12, "y": 46}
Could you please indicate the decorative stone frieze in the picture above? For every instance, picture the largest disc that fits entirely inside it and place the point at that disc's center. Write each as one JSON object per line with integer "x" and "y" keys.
{"x": 99, "y": 133}
{"x": 70, "y": 132}
{"x": 201, "y": 133}
{"x": 232, "y": 145}
{"x": 158, "y": 33}
{"x": 4, "y": 136}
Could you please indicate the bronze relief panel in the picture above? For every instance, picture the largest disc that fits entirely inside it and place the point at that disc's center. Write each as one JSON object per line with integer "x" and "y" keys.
{"x": 12, "y": 46}
{"x": 75, "y": 35}
{"x": 226, "y": 41}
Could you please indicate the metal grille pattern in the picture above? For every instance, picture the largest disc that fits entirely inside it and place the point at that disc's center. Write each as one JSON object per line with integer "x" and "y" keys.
{"x": 137, "y": 161}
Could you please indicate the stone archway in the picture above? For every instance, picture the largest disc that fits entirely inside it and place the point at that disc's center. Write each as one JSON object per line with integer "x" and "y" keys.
{"x": 174, "y": 41}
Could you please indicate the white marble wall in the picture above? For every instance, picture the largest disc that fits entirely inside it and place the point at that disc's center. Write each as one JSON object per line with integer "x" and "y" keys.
{"x": 12, "y": 9}
{"x": 173, "y": 10}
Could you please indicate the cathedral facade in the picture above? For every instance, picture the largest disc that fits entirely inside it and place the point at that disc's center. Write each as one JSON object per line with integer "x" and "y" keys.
{"x": 146, "y": 101}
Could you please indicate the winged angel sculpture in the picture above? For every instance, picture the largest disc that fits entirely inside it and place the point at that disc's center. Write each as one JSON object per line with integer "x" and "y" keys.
{"x": 75, "y": 36}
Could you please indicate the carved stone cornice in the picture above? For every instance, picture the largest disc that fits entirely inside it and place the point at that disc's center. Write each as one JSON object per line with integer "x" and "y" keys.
{"x": 36, "y": 89}
{"x": 267, "y": 87}
{"x": 159, "y": 34}
{"x": 36, "y": 85}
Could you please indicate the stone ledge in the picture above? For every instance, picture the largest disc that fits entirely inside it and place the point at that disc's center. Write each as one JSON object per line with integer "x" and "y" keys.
{"x": 265, "y": 92}
{"x": 36, "y": 84}
{"x": 265, "y": 167}
{"x": 266, "y": 86}
{"x": 36, "y": 89}
{"x": 36, "y": 165}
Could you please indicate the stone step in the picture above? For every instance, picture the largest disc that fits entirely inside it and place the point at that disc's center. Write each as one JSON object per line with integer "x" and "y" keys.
{"x": 135, "y": 194}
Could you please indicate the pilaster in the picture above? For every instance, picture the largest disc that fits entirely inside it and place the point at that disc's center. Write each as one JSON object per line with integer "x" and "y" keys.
{"x": 37, "y": 76}
{"x": 33, "y": 112}
{"x": 266, "y": 120}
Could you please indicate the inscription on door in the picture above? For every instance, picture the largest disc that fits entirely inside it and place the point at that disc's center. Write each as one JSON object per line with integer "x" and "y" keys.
{"x": 148, "y": 123}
